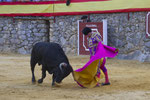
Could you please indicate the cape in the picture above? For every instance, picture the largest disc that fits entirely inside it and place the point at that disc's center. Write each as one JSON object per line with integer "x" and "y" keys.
{"x": 86, "y": 76}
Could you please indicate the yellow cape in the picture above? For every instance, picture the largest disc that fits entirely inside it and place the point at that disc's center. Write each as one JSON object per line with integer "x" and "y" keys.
{"x": 87, "y": 77}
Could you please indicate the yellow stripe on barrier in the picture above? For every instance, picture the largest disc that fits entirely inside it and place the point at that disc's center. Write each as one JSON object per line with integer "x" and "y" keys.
{"x": 102, "y": 6}
{"x": 6, "y": 9}
{"x": 61, "y": 8}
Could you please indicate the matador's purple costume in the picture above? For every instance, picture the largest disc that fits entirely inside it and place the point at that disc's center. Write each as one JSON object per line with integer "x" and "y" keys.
{"x": 92, "y": 44}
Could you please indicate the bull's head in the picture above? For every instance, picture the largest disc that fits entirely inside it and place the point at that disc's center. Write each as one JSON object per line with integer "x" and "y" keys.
{"x": 63, "y": 71}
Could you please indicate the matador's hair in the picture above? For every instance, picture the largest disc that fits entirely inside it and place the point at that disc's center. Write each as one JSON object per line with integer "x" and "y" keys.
{"x": 86, "y": 30}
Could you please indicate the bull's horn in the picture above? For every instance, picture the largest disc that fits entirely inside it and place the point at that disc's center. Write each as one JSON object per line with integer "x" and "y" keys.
{"x": 62, "y": 64}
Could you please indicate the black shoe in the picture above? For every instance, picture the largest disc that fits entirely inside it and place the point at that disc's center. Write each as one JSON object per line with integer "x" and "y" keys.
{"x": 103, "y": 84}
{"x": 68, "y": 2}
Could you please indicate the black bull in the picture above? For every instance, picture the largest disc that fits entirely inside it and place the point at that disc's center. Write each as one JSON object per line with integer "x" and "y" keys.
{"x": 53, "y": 59}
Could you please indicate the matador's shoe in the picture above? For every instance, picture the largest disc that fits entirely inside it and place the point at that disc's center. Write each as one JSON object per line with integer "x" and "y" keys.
{"x": 103, "y": 84}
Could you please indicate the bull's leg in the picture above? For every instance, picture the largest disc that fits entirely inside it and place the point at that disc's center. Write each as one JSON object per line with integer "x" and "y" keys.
{"x": 32, "y": 64}
{"x": 33, "y": 76}
{"x": 53, "y": 79}
{"x": 43, "y": 75}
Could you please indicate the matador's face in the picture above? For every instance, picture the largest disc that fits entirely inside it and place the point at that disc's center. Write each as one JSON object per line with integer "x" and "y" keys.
{"x": 89, "y": 34}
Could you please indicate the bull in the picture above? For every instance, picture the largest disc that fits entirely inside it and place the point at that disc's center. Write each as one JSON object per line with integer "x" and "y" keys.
{"x": 53, "y": 59}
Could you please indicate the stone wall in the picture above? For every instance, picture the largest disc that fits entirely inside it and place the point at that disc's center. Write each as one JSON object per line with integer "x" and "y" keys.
{"x": 18, "y": 36}
{"x": 64, "y": 31}
{"x": 125, "y": 33}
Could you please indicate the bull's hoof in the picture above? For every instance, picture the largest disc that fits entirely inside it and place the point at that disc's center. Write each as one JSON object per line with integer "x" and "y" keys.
{"x": 56, "y": 84}
{"x": 40, "y": 81}
{"x": 33, "y": 81}
{"x": 53, "y": 84}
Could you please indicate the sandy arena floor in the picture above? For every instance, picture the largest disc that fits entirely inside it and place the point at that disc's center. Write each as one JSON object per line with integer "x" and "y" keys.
{"x": 130, "y": 80}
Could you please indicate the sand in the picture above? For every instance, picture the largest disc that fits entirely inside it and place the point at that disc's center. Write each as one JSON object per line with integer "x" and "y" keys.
{"x": 130, "y": 80}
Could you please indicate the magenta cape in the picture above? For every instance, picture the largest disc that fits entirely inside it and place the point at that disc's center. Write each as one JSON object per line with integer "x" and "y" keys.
{"x": 86, "y": 76}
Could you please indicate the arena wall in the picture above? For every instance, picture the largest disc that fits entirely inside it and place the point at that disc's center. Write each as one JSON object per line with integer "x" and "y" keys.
{"x": 18, "y": 36}
{"x": 126, "y": 31}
